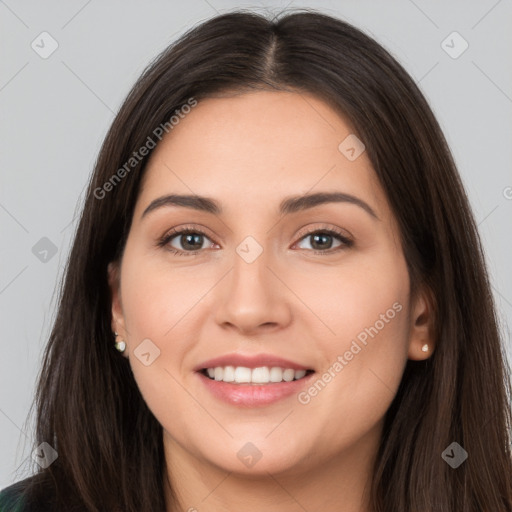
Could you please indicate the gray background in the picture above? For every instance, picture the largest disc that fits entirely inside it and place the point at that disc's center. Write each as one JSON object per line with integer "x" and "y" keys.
{"x": 56, "y": 111}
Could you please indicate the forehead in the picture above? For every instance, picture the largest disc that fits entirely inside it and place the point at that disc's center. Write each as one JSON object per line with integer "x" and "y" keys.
{"x": 258, "y": 146}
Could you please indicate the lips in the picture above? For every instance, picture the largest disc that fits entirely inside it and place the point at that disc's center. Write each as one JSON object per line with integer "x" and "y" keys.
{"x": 250, "y": 395}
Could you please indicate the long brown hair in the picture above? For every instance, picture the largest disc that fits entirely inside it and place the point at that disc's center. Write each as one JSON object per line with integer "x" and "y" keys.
{"x": 89, "y": 407}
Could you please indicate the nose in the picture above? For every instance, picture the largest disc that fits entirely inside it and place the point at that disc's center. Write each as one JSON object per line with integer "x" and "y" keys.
{"x": 252, "y": 297}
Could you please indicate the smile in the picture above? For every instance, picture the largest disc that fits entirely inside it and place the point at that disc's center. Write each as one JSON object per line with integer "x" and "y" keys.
{"x": 258, "y": 376}
{"x": 247, "y": 392}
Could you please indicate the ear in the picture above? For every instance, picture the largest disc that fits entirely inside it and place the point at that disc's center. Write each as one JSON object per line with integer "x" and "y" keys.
{"x": 421, "y": 329}
{"x": 117, "y": 322}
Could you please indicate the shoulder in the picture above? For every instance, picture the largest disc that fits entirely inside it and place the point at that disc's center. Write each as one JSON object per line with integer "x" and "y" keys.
{"x": 14, "y": 498}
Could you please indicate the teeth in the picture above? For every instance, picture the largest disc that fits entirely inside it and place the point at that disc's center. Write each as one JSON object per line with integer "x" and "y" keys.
{"x": 288, "y": 375}
{"x": 299, "y": 374}
{"x": 229, "y": 374}
{"x": 261, "y": 375}
{"x": 276, "y": 375}
{"x": 241, "y": 374}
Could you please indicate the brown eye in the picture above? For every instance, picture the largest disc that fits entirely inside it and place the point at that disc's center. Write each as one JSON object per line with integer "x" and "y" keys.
{"x": 184, "y": 241}
{"x": 188, "y": 241}
{"x": 321, "y": 241}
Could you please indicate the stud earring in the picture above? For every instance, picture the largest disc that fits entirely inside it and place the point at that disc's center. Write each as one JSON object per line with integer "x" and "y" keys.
{"x": 424, "y": 348}
{"x": 120, "y": 345}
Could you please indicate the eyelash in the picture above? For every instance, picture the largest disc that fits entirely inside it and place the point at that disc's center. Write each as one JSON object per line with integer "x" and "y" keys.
{"x": 187, "y": 230}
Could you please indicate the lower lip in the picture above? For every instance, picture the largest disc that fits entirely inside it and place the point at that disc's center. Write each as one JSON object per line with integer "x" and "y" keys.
{"x": 253, "y": 395}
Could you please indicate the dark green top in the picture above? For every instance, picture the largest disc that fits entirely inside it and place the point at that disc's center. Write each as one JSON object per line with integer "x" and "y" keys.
{"x": 12, "y": 499}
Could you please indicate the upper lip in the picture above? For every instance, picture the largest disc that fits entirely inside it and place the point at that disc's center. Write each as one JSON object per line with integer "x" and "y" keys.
{"x": 253, "y": 361}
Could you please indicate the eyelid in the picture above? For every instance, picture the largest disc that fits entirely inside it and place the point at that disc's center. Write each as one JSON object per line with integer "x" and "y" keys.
{"x": 178, "y": 230}
{"x": 308, "y": 230}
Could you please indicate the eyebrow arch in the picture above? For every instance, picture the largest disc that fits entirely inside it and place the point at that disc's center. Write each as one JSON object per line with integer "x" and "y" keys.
{"x": 289, "y": 205}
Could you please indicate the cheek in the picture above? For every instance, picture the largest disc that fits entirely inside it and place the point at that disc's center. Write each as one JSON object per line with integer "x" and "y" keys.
{"x": 162, "y": 304}
{"x": 155, "y": 306}
{"x": 364, "y": 336}
{"x": 156, "y": 300}
{"x": 348, "y": 298}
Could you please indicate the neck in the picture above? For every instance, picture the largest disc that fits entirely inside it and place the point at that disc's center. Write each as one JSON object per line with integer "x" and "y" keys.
{"x": 341, "y": 483}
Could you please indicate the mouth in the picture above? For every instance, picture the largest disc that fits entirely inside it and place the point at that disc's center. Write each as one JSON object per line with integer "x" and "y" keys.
{"x": 245, "y": 387}
{"x": 260, "y": 376}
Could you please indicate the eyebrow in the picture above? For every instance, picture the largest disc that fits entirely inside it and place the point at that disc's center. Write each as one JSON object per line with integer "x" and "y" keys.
{"x": 288, "y": 206}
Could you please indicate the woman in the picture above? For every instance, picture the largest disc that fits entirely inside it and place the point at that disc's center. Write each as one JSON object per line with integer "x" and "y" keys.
{"x": 278, "y": 243}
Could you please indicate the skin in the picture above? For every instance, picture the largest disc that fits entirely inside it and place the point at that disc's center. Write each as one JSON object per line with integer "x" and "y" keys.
{"x": 249, "y": 152}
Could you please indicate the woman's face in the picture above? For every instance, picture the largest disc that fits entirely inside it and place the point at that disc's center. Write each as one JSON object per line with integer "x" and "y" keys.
{"x": 267, "y": 279}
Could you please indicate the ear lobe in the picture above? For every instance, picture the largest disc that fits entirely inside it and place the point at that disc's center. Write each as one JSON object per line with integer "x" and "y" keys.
{"x": 421, "y": 332}
{"x": 117, "y": 323}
